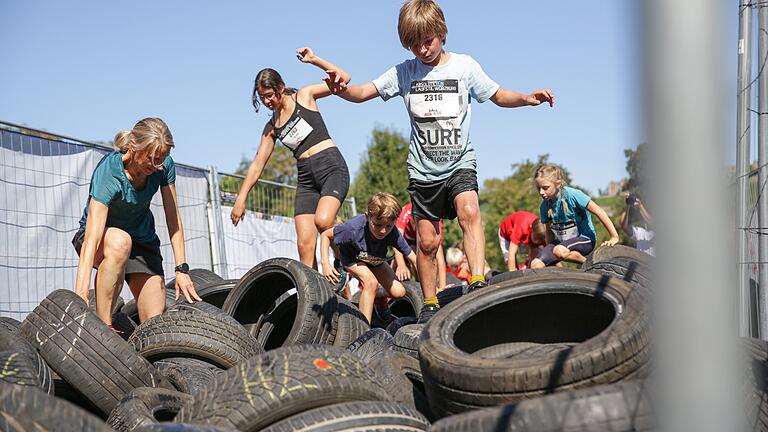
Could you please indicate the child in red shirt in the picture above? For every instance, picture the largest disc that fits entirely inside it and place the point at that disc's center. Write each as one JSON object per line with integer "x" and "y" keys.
{"x": 521, "y": 228}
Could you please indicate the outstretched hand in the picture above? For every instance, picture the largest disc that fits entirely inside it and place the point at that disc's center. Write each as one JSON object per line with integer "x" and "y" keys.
{"x": 540, "y": 96}
{"x": 305, "y": 54}
{"x": 335, "y": 82}
{"x": 611, "y": 241}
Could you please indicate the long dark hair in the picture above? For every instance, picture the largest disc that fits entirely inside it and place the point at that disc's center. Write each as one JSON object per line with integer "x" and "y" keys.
{"x": 268, "y": 78}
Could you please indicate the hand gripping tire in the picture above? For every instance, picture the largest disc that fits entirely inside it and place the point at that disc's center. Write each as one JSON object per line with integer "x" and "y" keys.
{"x": 604, "y": 317}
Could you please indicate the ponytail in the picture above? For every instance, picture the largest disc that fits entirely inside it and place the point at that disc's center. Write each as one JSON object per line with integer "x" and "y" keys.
{"x": 123, "y": 141}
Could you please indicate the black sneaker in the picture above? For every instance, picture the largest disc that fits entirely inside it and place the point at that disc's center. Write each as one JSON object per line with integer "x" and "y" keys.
{"x": 426, "y": 313}
{"x": 476, "y": 285}
{"x": 382, "y": 317}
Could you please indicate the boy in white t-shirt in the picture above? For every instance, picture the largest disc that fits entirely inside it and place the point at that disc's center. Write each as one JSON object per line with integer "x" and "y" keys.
{"x": 437, "y": 87}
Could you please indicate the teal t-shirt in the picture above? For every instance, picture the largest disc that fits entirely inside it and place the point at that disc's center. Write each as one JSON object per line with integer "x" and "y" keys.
{"x": 128, "y": 207}
{"x": 577, "y": 202}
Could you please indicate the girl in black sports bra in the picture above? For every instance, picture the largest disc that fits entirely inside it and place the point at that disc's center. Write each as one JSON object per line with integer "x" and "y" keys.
{"x": 323, "y": 177}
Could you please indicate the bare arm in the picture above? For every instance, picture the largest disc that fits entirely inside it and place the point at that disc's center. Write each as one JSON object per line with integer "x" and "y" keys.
{"x": 176, "y": 231}
{"x": 412, "y": 259}
{"x": 510, "y": 99}
{"x": 336, "y": 76}
{"x": 329, "y": 272}
{"x": 606, "y": 221}
{"x": 94, "y": 231}
{"x": 401, "y": 268}
{"x": 644, "y": 213}
{"x": 625, "y": 221}
{"x": 266, "y": 146}
{"x": 512, "y": 257}
{"x": 355, "y": 93}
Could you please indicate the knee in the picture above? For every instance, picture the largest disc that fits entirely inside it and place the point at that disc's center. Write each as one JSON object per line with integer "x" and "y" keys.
{"x": 306, "y": 242}
{"x": 324, "y": 221}
{"x": 560, "y": 252}
{"x": 370, "y": 285}
{"x": 117, "y": 244}
{"x": 397, "y": 290}
{"x": 468, "y": 213}
{"x": 428, "y": 245}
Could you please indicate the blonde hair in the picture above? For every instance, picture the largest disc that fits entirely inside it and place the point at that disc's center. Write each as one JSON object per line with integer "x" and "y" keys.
{"x": 453, "y": 256}
{"x": 554, "y": 174}
{"x": 384, "y": 206}
{"x": 418, "y": 20}
{"x": 538, "y": 232}
{"x": 150, "y": 134}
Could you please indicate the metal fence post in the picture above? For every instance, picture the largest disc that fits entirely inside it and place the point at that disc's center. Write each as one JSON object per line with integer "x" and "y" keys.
{"x": 354, "y": 206}
{"x": 216, "y": 226}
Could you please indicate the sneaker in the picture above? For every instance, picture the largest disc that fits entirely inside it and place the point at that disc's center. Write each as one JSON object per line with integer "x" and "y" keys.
{"x": 426, "y": 313}
{"x": 119, "y": 332}
{"x": 476, "y": 285}
{"x": 382, "y": 317}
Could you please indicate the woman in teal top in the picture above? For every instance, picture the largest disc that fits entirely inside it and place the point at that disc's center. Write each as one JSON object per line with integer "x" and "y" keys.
{"x": 117, "y": 231}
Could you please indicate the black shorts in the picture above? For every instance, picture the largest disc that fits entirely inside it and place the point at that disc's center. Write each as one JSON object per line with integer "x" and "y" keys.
{"x": 144, "y": 258}
{"x": 322, "y": 174}
{"x": 434, "y": 200}
{"x": 578, "y": 244}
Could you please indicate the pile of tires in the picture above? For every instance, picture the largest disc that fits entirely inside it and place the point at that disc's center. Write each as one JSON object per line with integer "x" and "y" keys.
{"x": 277, "y": 350}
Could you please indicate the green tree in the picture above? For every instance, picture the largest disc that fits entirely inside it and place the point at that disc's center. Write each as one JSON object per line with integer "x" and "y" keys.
{"x": 637, "y": 161}
{"x": 382, "y": 169}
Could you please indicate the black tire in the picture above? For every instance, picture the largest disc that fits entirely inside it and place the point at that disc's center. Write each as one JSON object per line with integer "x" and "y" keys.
{"x": 407, "y": 339}
{"x": 512, "y": 275}
{"x": 145, "y": 406}
{"x": 187, "y": 375}
{"x": 21, "y": 364}
{"x": 123, "y": 324}
{"x": 604, "y": 253}
{"x": 280, "y": 383}
{"x": 371, "y": 344}
{"x": 395, "y": 325}
{"x": 24, "y": 408}
{"x": 216, "y": 292}
{"x": 9, "y": 324}
{"x": 448, "y": 295}
{"x": 354, "y": 416}
{"x": 626, "y": 269}
{"x": 180, "y": 427}
{"x": 274, "y": 326}
{"x": 618, "y": 407}
{"x": 351, "y": 323}
{"x": 604, "y": 317}
{"x": 410, "y": 367}
{"x": 216, "y": 339}
{"x": 521, "y": 350}
{"x": 85, "y": 352}
{"x": 411, "y": 303}
{"x": 311, "y": 320}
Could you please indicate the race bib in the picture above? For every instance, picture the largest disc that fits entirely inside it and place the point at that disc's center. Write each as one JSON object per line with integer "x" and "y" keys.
{"x": 295, "y": 132}
{"x": 373, "y": 260}
{"x": 565, "y": 231}
{"x": 435, "y": 99}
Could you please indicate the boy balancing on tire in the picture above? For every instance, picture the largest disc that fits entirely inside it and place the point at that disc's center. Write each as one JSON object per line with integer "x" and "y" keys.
{"x": 362, "y": 243}
{"x": 436, "y": 86}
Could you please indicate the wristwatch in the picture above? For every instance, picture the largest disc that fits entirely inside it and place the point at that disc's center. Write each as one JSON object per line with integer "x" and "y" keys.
{"x": 183, "y": 268}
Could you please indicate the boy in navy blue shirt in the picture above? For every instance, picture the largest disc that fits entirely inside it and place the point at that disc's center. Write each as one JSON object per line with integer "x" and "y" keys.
{"x": 362, "y": 243}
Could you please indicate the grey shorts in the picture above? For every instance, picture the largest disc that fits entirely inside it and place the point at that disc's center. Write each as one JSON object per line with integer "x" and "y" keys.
{"x": 144, "y": 258}
{"x": 578, "y": 244}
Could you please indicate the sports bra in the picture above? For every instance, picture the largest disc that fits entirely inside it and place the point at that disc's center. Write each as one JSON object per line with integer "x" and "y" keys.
{"x": 303, "y": 129}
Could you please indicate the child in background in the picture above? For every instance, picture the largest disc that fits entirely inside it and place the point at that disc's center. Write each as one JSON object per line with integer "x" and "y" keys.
{"x": 437, "y": 87}
{"x": 565, "y": 212}
{"x": 636, "y": 221}
{"x": 362, "y": 243}
{"x": 406, "y": 224}
{"x": 521, "y": 228}
{"x": 456, "y": 263}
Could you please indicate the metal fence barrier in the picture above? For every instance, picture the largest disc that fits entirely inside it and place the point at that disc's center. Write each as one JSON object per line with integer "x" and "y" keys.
{"x": 44, "y": 183}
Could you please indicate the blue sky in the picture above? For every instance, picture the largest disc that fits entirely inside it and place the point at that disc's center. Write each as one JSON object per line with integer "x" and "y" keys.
{"x": 90, "y": 68}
